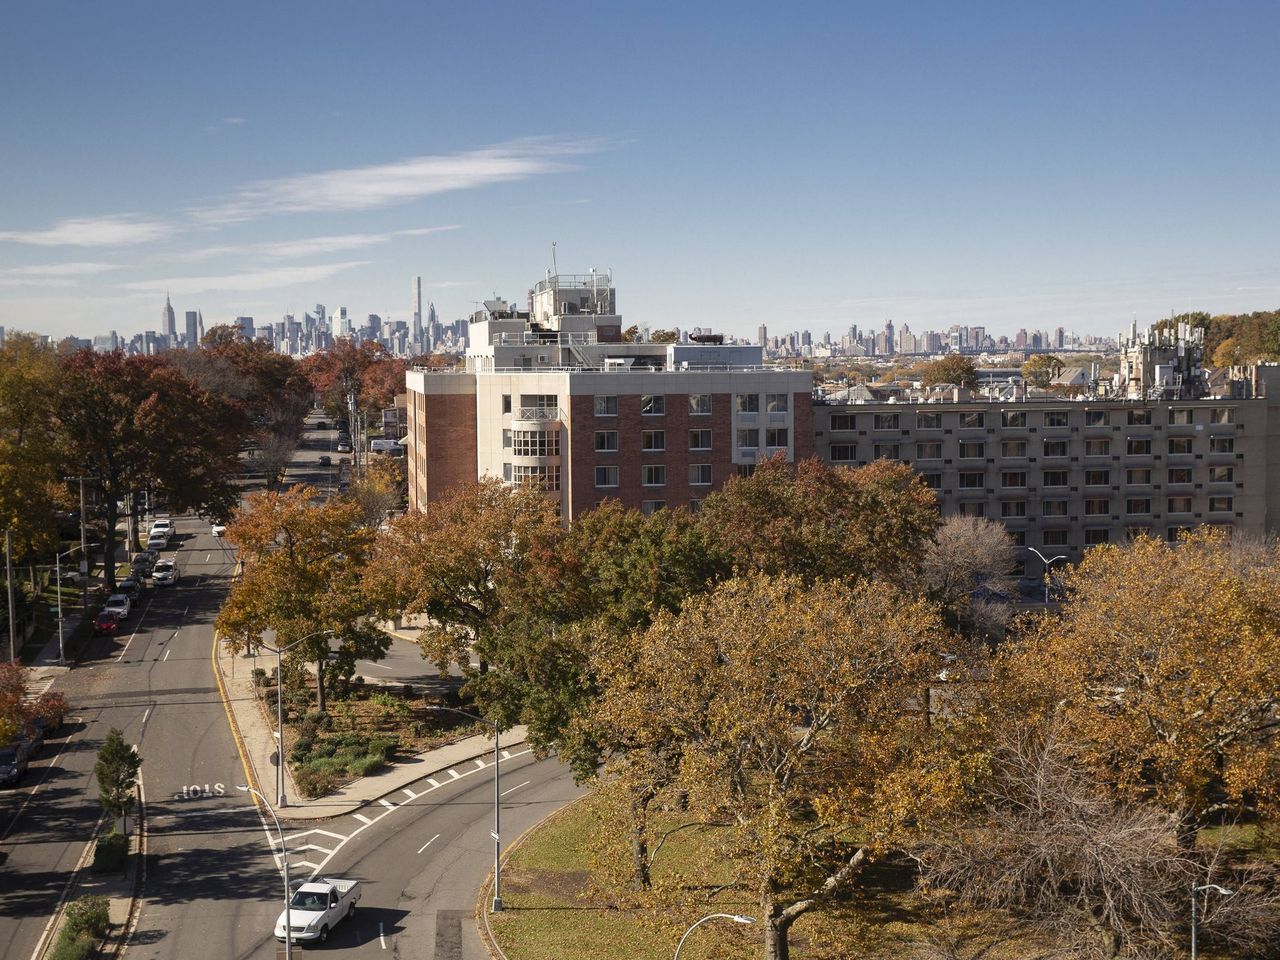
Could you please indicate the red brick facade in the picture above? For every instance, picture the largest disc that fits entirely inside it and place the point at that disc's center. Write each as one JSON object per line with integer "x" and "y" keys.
{"x": 444, "y": 452}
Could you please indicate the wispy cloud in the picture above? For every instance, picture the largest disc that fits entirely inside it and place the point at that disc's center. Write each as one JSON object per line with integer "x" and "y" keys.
{"x": 450, "y": 284}
{"x": 77, "y": 269}
{"x": 248, "y": 281}
{"x": 110, "y": 231}
{"x": 311, "y": 246}
{"x": 232, "y": 121}
{"x": 379, "y": 185}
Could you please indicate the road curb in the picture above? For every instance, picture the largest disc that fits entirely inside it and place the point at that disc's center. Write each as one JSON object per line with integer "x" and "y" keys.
{"x": 483, "y": 896}
{"x": 139, "y": 879}
{"x": 245, "y": 761}
{"x": 55, "y": 922}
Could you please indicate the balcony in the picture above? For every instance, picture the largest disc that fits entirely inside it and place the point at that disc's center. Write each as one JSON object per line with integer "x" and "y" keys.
{"x": 537, "y": 415}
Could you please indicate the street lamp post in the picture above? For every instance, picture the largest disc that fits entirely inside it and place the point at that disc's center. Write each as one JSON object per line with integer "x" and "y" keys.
{"x": 1047, "y": 563}
{"x": 280, "y": 652}
{"x": 497, "y": 806}
{"x": 1196, "y": 889}
{"x": 284, "y": 859}
{"x": 57, "y": 573}
{"x": 736, "y": 918}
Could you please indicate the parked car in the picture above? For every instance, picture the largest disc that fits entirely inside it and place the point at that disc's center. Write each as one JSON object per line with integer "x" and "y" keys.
{"x": 166, "y": 571}
{"x": 69, "y": 578}
{"x": 317, "y": 908}
{"x": 130, "y": 587}
{"x": 143, "y": 561}
{"x": 106, "y": 623}
{"x": 13, "y": 763}
{"x": 218, "y": 529}
{"x": 119, "y": 604}
{"x": 164, "y": 523}
{"x": 158, "y": 540}
{"x": 326, "y": 460}
{"x": 322, "y": 424}
{"x": 344, "y": 447}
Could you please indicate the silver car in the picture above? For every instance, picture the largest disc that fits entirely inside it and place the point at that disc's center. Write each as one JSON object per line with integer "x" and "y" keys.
{"x": 166, "y": 571}
{"x": 119, "y": 604}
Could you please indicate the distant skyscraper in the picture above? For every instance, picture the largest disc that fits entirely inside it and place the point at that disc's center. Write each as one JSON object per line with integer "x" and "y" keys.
{"x": 1, "y": 338}
{"x": 193, "y": 329}
{"x": 168, "y": 321}
{"x": 432, "y": 322}
{"x": 762, "y": 335}
{"x": 246, "y": 327}
{"x": 417, "y": 310}
{"x": 200, "y": 324}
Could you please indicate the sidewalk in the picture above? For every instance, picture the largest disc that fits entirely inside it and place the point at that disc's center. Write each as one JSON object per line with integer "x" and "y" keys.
{"x": 255, "y": 737}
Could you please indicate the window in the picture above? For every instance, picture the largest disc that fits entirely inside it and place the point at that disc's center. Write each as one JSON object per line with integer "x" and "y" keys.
{"x": 1012, "y": 479}
{"x": 884, "y": 421}
{"x": 929, "y": 450}
{"x": 747, "y": 402}
{"x": 535, "y": 443}
{"x": 606, "y": 441}
{"x": 1137, "y": 505}
{"x": 746, "y": 470}
{"x": 653, "y": 474}
{"x": 748, "y": 438}
{"x": 1138, "y": 475}
{"x": 1096, "y": 536}
{"x": 650, "y": 507}
{"x": 699, "y": 439}
{"x": 843, "y": 452}
{"x": 1097, "y": 448}
{"x": 1019, "y": 538}
{"x": 1055, "y": 478}
{"x": 928, "y": 421}
{"x": 699, "y": 404}
{"x": 1140, "y": 418}
{"x": 1222, "y": 474}
{"x": 843, "y": 421}
{"x": 1056, "y": 418}
{"x": 1181, "y": 417}
{"x": 1054, "y": 538}
{"x": 1175, "y": 534}
{"x": 1138, "y": 446}
{"x": 972, "y": 450}
{"x": 653, "y": 405}
{"x": 973, "y": 481}
{"x": 540, "y": 402}
{"x": 776, "y": 403}
{"x": 1219, "y": 504}
{"x": 1222, "y": 414}
{"x": 607, "y": 476}
{"x": 932, "y": 480}
{"x": 1013, "y": 508}
{"x": 1133, "y": 533}
{"x": 1097, "y": 507}
{"x": 1097, "y": 478}
{"x": 506, "y": 439}
{"x": 1055, "y": 448}
{"x": 1179, "y": 445}
{"x": 1095, "y": 418}
{"x": 885, "y": 451}
{"x": 1013, "y": 448}
{"x": 972, "y": 420}
{"x": 1222, "y": 444}
{"x": 1179, "y": 474}
{"x": 606, "y": 406}
{"x": 548, "y": 477}
{"x": 775, "y": 437}
{"x": 506, "y": 472}
{"x": 1013, "y": 418}
{"x": 653, "y": 441}
{"x": 1053, "y": 508}
{"x": 506, "y": 403}
{"x": 1179, "y": 504}
{"x": 974, "y": 508}
{"x": 699, "y": 474}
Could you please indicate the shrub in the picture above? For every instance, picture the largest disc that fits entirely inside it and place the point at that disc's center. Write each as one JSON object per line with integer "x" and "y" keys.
{"x": 88, "y": 915}
{"x": 363, "y": 766}
{"x": 81, "y": 947}
{"x": 259, "y": 677}
{"x": 300, "y": 752}
{"x": 109, "y": 853}
{"x": 314, "y": 783}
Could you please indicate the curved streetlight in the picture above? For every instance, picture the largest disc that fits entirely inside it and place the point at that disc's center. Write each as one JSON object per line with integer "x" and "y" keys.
{"x": 735, "y": 917}
{"x": 284, "y": 859}
{"x": 1048, "y": 562}
{"x": 1202, "y": 888}
{"x": 57, "y": 566}
{"x": 280, "y": 652}
{"x": 497, "y": 821}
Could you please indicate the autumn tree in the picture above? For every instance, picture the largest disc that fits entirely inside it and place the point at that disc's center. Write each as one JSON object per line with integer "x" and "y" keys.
{"x": 30, "y": 455}
{"x": 303, "y": 564}
{"x": 377, "y": 489}
{"x": 954, "y": 368}
{"x": 823, "y": 522}
{"x": 790, "y": 706}
{"x": 1227, "y": 353}
{"x": 366, "y": 369}
{"x": 117, "y": 774}
{"x": 1040, "y": 370}
{"x": 1164, "y": 666}
{"x": 967, "y": 569}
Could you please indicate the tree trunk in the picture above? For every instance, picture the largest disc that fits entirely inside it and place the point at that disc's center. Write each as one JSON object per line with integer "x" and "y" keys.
{"x": 1187, "y": 833}
{"x": 640, "y": 801}
{"x": 320, "y": 705}
{"x": 109, "y": 543}
{"x": 777, "y": 922}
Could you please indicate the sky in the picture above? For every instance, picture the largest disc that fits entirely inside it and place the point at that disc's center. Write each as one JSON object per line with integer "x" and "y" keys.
{"x": 804, "y": 166}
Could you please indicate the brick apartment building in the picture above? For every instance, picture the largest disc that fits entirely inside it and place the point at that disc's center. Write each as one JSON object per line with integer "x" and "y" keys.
{"x": 555, "y": 394}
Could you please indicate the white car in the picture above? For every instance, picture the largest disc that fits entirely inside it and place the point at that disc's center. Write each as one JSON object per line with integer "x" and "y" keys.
{"x": 164, "y": 523}
{"x": 157, "y": 540}
{"x": 218, "y": 529}
{"x": 119, "y": 604}
{"x": 166, "y": 571}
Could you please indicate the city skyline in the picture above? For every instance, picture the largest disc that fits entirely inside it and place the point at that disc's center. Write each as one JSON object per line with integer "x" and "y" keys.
{"x": 1051, "y": 170}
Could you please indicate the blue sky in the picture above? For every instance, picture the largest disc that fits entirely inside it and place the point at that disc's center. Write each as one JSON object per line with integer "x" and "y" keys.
{"x": 803, "y": 166}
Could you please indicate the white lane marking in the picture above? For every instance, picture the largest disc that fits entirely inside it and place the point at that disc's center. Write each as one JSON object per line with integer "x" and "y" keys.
{"x": 208, "y": 557}
{"x": 515, "y": 788}
{"x": 135, "y": 631}
{"x": 429, "y": 843}
{"x": 305, "y": 863}
{"x": 479, "y": 763}
{"x": 381, "y": 666}
{"x": 309, "y": 846}
{"x": 434, "y": 783}
{"x": 145, "y": 715}
{"x": 381, "y": 938}
{"x": 185, "y": 612}
{"x": 454, "y": 773}
{"x": 410, "y": 794}
{"x": 367, "y": 821}
{"x": 166, "y": 654}
{"x": 388, "y": 804}
{"x": 506, "y": 754}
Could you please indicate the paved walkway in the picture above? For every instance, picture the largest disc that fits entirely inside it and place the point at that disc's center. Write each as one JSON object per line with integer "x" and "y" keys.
{"x": 257, "y": 739}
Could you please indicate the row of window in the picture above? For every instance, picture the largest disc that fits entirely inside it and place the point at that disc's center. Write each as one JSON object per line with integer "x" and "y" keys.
{"x": 655, "y": 404}
{"x": 1014, "y": 449}
{"x": 1019, "y": 418}
{"x": 547, "y": 477}
{"x": 1101, "y": 506}
{"x": 1137, "y": 476}
{"x": 655, "y": 441}
{"x": 654, "y": 475}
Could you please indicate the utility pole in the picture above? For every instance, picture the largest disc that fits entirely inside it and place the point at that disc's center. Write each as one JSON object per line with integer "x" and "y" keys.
{"x": 84, "y": 548}
{"x": 8, "y": 576}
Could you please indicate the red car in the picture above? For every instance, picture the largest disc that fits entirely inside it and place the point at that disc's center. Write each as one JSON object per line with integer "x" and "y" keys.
{"x": 107, "y": 623}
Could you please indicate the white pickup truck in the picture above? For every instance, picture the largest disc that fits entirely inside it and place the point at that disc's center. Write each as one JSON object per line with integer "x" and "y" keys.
{"x": 317, "y": 907}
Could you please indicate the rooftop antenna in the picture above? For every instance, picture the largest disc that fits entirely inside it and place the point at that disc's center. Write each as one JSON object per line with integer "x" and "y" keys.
{"x": 554, "y": 268}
